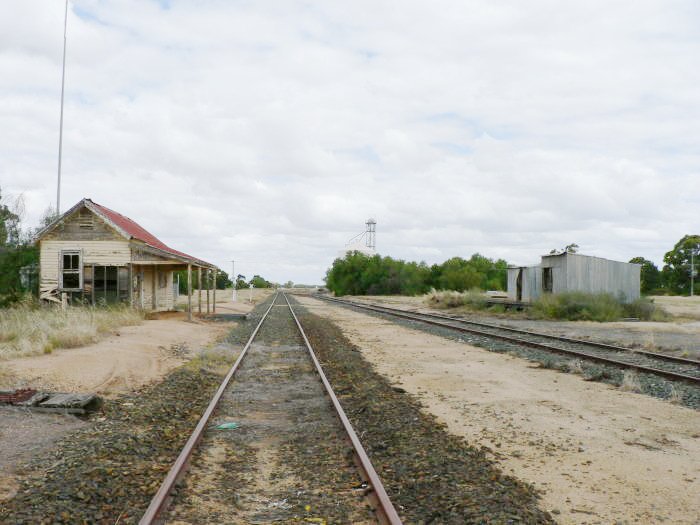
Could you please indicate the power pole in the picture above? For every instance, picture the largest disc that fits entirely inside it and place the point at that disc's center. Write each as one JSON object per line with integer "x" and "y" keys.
{"x": 60, "y": 127}
{"x": 692, "y": 271}
{"x": 233, "y": 279}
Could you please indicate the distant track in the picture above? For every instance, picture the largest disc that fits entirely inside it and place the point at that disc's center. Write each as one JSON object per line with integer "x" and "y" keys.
{"x": 668, "y": 366}
{"x": 376, "y": 494}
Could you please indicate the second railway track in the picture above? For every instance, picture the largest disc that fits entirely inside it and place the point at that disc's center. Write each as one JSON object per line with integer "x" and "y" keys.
{"x": 670, "y": 367}
{"x": 289, "y": 454}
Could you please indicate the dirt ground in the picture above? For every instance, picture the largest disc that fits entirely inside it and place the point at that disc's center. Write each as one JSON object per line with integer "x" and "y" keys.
{"x": 123, "y": 361}
{"x": 127, "y": 359}
{"x": 680, "y": 306}
{"x": 598, "y": 454}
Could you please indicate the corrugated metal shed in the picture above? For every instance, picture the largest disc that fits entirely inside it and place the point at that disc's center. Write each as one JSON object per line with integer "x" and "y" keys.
{"x": 574, "y": 272}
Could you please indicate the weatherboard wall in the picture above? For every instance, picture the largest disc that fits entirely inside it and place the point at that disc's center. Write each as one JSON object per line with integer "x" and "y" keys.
{"x": 99, "y": 253}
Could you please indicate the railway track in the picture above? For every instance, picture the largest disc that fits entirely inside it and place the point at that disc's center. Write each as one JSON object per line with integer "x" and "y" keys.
{"x": 269, "y": 380}
{"x": 667, "y": 366}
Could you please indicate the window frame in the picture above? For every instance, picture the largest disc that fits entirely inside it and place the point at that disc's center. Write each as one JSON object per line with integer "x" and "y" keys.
{"x": 62, "y": 271}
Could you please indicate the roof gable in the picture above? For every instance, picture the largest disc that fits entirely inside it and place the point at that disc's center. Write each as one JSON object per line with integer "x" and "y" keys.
{"x": 124, "y": 226}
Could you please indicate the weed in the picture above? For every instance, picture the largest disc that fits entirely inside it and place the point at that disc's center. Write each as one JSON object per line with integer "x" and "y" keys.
{"x": 472, "y": 299}
{"x": 675, "y": 396}
{"x": 630, "y": 382}
{"x": 575, "y": 367}
{"x": 549, "y": 363}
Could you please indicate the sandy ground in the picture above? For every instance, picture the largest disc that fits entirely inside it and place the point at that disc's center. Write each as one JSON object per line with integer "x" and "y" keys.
{"x": 127, "y": 359}
{"x": 599, "y": 455}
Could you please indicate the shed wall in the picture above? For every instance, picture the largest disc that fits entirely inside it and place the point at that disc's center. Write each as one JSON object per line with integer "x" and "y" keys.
{"x": 596, "y": 275}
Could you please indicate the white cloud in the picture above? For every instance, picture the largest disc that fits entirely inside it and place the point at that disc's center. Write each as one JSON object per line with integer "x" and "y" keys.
{"x": 268, "y": 132}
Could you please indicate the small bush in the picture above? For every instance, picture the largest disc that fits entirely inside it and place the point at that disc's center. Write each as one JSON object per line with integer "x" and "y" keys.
{"x": 578, "y": 306}
{"x": 645, "y": 310}
{"x": 630, "y": 382}
{"x": 473, "y": 299}
{"x": 601, "y": 307}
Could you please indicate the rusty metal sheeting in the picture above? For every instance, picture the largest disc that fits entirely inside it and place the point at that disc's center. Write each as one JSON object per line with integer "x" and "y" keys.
{"x": 13, "y": 397}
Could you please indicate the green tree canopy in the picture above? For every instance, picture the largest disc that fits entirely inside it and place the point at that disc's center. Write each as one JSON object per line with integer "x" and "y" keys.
{"x": 676, "y": 271}
{"x": 360, "y": 274}
{"x": 9, "y": 225}
{"x": 650, "y": 275}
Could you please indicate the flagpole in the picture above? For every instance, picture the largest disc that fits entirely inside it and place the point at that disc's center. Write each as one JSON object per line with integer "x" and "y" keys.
{"x": 60, "y": 129}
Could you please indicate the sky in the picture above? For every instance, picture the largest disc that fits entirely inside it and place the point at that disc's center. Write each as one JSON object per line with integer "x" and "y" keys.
{"x": 268, "y": 132}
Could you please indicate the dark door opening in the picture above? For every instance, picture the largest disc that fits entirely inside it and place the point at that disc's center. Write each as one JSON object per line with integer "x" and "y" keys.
{"x": 519, "y": 286}
{"x": 547, "y": 281}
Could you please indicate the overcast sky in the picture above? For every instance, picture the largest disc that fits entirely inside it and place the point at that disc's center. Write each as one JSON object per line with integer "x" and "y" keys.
{"x": 268, "y": 132}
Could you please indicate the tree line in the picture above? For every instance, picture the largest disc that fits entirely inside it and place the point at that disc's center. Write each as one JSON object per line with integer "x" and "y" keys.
{"x": 360, "y": 274}
{"x": 675, "y": 275}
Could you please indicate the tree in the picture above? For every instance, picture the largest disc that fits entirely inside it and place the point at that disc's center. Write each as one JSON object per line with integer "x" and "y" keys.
{"x": 259, "y": 282}
{"x": 569, "y": 248}
{"x": 9, "y": 226}
{"x": 650, "y": 276}
{"x": 676, "y": 271}
{"x": 16, "y": 252}
{"x": 222, "y": 280}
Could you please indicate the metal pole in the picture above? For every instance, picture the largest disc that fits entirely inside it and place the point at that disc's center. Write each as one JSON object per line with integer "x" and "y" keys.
{"x": 60, "y": 128}
{"x": 233, "y": 278}
{"x": 692, "y": 271}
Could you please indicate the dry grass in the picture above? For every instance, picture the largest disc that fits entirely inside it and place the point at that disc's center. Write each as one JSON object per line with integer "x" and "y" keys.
{"x": 630, "y": 382}
{"x": 30, "y": 330}
{"x": 675, "y": 397}
{"x": 473, "y": 299}
{"x": 575, "y": 366}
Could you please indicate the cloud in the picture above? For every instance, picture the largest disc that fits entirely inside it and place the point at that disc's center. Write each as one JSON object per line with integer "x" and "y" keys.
{"x": 268, "y": 132}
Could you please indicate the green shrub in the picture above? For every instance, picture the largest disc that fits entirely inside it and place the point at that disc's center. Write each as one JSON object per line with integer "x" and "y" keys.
{"x": 645, "y": 310}
{"x": 601, "y": 307}
{"x": 578, "y": 306}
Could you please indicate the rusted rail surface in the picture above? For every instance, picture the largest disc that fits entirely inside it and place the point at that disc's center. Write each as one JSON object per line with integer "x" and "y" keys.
{"x": 375, "y": 493}
{"x": 428, "y": 319}
{"x": 386, "y": 513}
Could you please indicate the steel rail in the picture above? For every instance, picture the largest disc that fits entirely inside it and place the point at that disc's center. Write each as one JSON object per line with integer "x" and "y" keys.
{"x": 161, "y": 500}
{"x": 596, "y": 344}
{"x": 622, "y": 364}
{"x": 386, "y": 513}
{"x": 376, "y": 494}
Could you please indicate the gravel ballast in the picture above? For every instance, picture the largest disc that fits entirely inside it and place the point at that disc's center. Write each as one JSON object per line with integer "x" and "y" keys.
{"x": 431, "y": 475}
{"x": 109, "y": 471}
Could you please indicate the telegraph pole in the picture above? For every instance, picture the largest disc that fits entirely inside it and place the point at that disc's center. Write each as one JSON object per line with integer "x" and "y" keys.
{"x": 692, "y": 271}
{"x": 233, "y": 279}
{"x": 60, "y": 128}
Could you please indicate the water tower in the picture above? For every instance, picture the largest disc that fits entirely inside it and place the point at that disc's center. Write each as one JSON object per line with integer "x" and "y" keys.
{"x": 371, "y": 234}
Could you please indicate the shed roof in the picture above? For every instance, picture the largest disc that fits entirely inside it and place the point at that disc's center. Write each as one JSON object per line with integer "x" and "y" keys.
{"x": 128, "y": 228}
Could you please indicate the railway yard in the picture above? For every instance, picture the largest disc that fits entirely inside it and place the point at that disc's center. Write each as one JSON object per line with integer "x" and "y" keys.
{"x": 322, "y": 411}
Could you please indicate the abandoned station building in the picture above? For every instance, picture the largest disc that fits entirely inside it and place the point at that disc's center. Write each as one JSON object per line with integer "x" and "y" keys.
{"x": 574, "y": 272}
{"x": 94, "y": 255}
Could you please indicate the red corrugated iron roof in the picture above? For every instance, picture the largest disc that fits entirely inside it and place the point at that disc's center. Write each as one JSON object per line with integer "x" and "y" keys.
{"x": 138, "y": 232}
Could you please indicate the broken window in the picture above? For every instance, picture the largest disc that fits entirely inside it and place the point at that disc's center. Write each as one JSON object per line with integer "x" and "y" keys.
{"x": 111, "y": 284}
{"x": 71, "y": 275}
